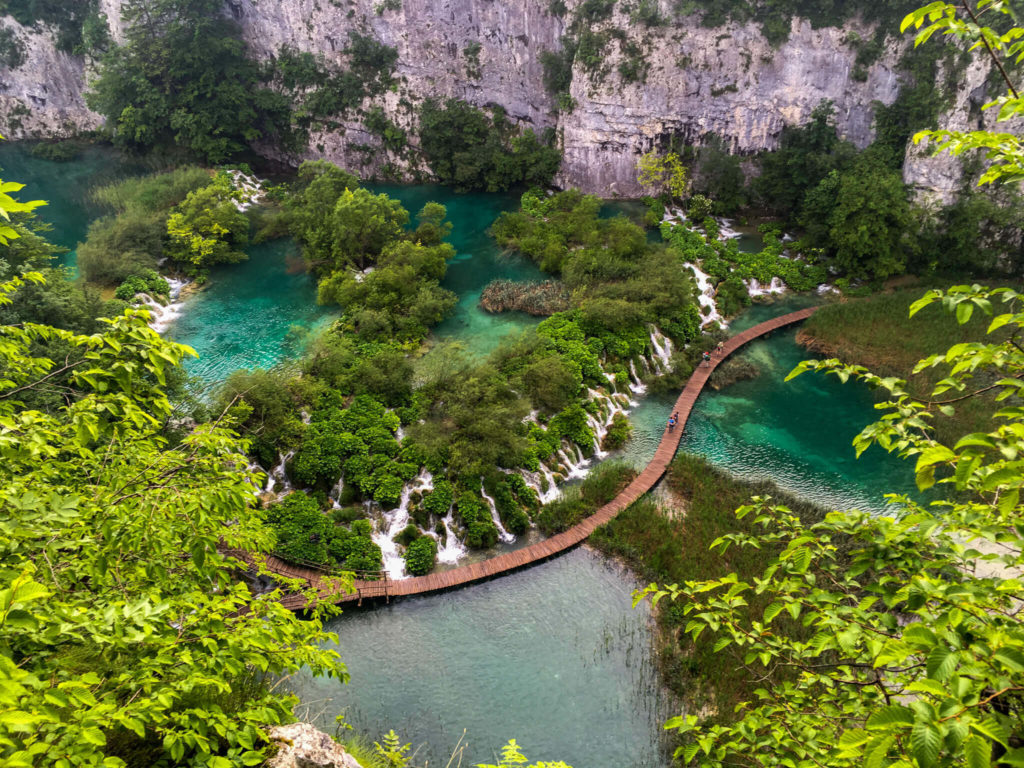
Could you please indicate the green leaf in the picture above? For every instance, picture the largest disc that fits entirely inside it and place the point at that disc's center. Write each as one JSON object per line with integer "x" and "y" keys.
{"x": 893, "y": 715}
{"x": 940, "y": 663}
{"x": 925, "y": 742}
{"x": 978, "y": 751}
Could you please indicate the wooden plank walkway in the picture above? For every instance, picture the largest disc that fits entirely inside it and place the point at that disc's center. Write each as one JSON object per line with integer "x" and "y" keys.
{"x": 553, "y": 545}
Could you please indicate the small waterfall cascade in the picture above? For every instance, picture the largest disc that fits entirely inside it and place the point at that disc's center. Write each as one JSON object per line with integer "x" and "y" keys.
{"x": 635, "y": 384}
{"x": 453, "y": 549}
{"x": 725, "y": 230}
{"x": 503, "y": 535}
{"x": 163, "y": 315}
{"x": 392, "y": 523}
{"x": 706, "y": 297}
{"x": 576, "y": 466}
{"x": 250, "y": 189}
{"x": 335, "y": 493}
{"x": 754, "y": 287}
{"x": 662, "y": 346}
{"x": 277, "y": 478}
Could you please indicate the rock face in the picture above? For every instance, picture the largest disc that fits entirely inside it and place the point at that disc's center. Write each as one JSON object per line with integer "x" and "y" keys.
{"x": 44, "y": 96}
{"x": 727, "y": 81}
{"x": 300, "y": 745}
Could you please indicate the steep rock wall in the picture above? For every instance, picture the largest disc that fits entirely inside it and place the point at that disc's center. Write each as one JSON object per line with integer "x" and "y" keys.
{"x": 700, "y": 81}
{"x": 44, "y": 96}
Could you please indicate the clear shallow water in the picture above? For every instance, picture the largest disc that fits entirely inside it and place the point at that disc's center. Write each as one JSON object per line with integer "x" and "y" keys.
{"x": 67, "y": 187}
{"x": 552, "y": 656}
{"x": 251, "y": 315}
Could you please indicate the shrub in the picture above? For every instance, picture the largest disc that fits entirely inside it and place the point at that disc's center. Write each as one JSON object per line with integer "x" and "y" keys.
{"x": 421, "y": 556}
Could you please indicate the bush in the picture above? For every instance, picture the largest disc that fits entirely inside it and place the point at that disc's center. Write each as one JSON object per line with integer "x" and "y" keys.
{"x": 580, "y": 501}
{"x": 148, "y": 282}
{"x": 421, "y": 556}
{"x": 618, "y": 433}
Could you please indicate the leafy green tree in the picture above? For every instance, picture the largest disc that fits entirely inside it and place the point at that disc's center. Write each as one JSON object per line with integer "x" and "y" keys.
{"x": 421, "y": 556}
{"x": 182, "y": 79}
{"x": 124, "y": 633}
{"x": 512, "y": 756}
{"x": 665, "y": 174}
{"x": 863, "y": 216}
{"x": 207, "y": 227}
{"x": 362, "y": 225}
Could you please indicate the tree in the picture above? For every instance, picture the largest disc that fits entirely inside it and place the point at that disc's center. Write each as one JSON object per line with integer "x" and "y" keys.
{"x": 666, "y": 174}
{"x": 863, "y": 215}
{"x": 182, "y": 79}
{"x": 207, "y": 227}
{"x": 362, "y": 224}
{"x": 124, "y": 633}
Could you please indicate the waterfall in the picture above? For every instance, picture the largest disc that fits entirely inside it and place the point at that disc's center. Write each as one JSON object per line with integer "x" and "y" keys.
{"x": 278, "y": 475}
{"x": 393, "y": 521}
{"x": 576, "y": 467}
{"x": 250, "y": 187}
{"x": 453, "y": 549}
{"x": 599, "y": 432}
{"x": 725, "y": 230}
{"x": 754, "y": 288}
{"x": 503, "y": 535}
{"x": 161, "y": 316}
{"x": 706, "y": 297}
{"x": 663, "y": 353}
{"x": 335, "y": 493}
{"x": 635, "y": 383}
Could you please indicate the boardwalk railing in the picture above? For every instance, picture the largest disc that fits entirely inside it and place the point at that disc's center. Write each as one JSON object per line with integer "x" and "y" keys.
{"x": 554, "y": 545}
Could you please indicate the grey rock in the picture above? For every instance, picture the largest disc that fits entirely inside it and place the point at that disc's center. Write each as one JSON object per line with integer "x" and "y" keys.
{"x": 300, "y": 745}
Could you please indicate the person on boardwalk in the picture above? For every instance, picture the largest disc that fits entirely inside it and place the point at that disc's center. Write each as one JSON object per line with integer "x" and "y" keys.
{"x": 707, "y": 358}
{"x": 671, "y": 422}
{"x": 720, "y": 348}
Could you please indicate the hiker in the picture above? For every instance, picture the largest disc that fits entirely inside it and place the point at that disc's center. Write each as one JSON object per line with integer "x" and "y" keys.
{"x": 707, "y": 358}
{"x": 671, "y": 422}
{"x": 720, "y": 348}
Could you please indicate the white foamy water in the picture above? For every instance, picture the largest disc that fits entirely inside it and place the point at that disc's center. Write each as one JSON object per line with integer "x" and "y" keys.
{"x": 453, "y": 549}
{"x": 277, "y": 478}
{"x": 503, "y": 535}
{"x": 161, "y": 316}
{"x": 392, "y": 523}
{"x": 754, "y": 288}
{"x": 706, "y": 297}
{"x": 662, "y": 345}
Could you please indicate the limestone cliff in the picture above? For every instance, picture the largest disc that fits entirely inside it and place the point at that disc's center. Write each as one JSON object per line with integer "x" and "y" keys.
{"x": 727, "y": 81}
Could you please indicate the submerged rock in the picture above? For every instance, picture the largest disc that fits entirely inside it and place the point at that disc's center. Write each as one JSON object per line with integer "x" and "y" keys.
{"x": 300, "y": 745}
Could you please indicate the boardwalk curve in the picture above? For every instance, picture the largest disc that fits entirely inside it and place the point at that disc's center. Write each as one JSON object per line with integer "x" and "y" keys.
{"x": 553, "y": 545}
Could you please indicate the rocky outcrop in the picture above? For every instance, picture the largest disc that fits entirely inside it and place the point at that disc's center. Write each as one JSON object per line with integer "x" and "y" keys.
{"x": 727, "y": 81}
{"x": 44, "y": 96}
{"x": 300, "y": 745}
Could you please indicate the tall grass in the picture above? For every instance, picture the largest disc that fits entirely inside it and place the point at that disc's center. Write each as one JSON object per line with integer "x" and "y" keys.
{"x": 878, "y": 333}
{"x": 580, "y": 501}
{"x": 673, "y": 549}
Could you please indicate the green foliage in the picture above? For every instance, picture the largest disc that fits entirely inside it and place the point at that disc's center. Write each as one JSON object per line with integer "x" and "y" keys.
{"x": 12, "y": 49}
{"x": 264, "y": 409}
{"x": 392, "y": 751}
{"x": 618, "y": 433}
{"x": 558, "y": 68}
{"x": 1004, "y": 47}
{"x": 182, "y": 79}
{"x": 665, "y": 174}
{"x": 863, "y": 217}
{"x": 67, "y": 19}
{"x": 924, "y": 602}
{"x": 440, "y": 499}
{"x": 55, "y": 151}
{"x": 132, "y": 241}
{"x": 302, "y": 531}
{"x": 578, "y": 502}
{"x": 471, "y": 149}
{"x": 421, "y": 556}
{"x": 148, "y": 282}
{"x": 124, "y": 633}
{"x": 207, "y": 227}
{"x": 511, "y": 757}
{"x": 360, "y": 225}
{"x": 475, "y": 516}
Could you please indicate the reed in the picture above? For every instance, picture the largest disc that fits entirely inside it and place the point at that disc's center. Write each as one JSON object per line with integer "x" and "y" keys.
{"x": 534, "y": 298}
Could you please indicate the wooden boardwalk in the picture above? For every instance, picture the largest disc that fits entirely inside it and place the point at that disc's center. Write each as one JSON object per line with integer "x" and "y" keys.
{"x": 554, "y": 545}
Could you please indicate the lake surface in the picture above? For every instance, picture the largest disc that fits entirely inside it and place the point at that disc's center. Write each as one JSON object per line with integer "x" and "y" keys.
{"x": 552, "y": 656}
{"x": 67, "y": 187}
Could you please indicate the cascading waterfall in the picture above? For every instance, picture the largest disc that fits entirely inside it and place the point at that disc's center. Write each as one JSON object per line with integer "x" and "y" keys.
{"x": 706, "y": 297}
{"x": 754, "y": 287}
{"x": 725, "y": 230}
{"x": 393, "y": 521}
{"x": 503, "y": 535}
{"x": 663, "y": 351}
{"x": 161, "y": 315}
{"x": 635, "y": 383}
{"x": 453, "y": 549}
{"x": 278, "y": 475}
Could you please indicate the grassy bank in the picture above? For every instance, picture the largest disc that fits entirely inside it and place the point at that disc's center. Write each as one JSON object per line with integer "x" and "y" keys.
{"x": 878, "y": 333}
{"x": 671, "y": 545}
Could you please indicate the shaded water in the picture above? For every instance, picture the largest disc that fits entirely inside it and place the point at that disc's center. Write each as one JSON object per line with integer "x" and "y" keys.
{"x": 552, "y": 656}
{"x": 67, "y": 187}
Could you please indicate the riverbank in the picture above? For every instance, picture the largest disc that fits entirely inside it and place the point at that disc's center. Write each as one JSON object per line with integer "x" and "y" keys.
{"x": 668, "y": 542}
{"x": 878, "y": 333}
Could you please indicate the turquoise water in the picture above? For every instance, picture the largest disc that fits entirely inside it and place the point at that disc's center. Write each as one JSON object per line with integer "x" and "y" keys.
{"x": 552, "y": 656}
{"x": 67, "y": 187}
{"x": 797, "y": 434}
{"x": 251, "y": 315}
{"x": 478, "y": 261}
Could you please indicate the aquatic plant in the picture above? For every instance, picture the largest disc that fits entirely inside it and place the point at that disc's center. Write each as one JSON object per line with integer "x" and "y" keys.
{"x": 541, "y": 298}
